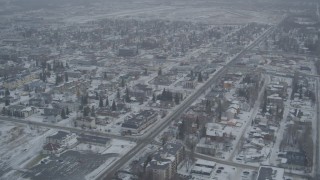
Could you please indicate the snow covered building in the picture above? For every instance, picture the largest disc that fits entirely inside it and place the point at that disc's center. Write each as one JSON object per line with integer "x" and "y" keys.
{"x": 164, "y": 163}
{"x": 140, "y": 121}
{"x": 88, "y": 122}
{"x": 94, "y": 140}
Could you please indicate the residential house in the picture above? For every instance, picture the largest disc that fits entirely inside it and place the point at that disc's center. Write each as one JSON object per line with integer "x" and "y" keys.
{"x": 88, "y": 122}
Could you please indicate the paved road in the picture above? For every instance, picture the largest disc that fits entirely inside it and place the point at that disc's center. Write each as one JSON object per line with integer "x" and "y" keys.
{"x": 71, "y": 129}
{"x": 317, "y": 160}
{"x": 108, "y": 174}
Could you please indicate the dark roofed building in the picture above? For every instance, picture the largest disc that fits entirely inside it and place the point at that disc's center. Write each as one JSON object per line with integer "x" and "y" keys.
{"x": 94, "y": 140}
{"x": 140, "y": 121}
{"x": 270, "y": 173}
{"x": 57, "y": 138}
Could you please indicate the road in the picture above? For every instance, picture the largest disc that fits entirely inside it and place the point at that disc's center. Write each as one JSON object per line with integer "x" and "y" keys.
{"x": 71, "y": 129}
{"x": 253, "y": 115}
{"x": 109, "y": 173}
{"x": 149, "y": 137}
{"x": 317, "y": 153}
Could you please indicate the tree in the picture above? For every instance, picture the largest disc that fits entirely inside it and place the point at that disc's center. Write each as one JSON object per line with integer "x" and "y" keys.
{"x": 114, "y": 106}
{"x": 153, "y": 98}
{"x": 200, "y": 77}
{"x": 67, "y": 111}
{"x": 208, "y": 106}
{"x": 164, "y": 139}
{"x": 191, "y": 73}
{"x": 219, "y": 109}
{"x": 264, "y": 105}
{"x": 86, "y": 111}
{"x": 7, "y": 102}
{"x": 123, "y": 84}
{"x": 127, "y": 96}
{"x": 198, "y": 122}
{"x": 177, "y": 98}
{"x": 66, "y": 78}
{"x": 7, "y": 92}
{"x": 67, "y": 65}
{"x": 159, "y": 71}
{"x": 146, "y": 162}
{"x": 107, "y": 101}
{"x": 63, "y": 114}
{"x": 118, "y": 94}
{"x": 3, "y": 112}
{"x": 181, "y": 129}
{"x": 100, "y": 102}
{"x": 93, "y": 112}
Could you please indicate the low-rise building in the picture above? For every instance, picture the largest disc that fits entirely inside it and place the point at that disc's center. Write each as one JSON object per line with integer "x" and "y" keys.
{"x": 270, "y": 173}
{"x": 137, "y": 122}
{"x": 88, "y": 122}
{"x": 94, "y": 140}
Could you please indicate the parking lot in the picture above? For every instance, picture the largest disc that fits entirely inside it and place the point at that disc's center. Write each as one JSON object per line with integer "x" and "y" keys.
{"x": 71, "y": 165}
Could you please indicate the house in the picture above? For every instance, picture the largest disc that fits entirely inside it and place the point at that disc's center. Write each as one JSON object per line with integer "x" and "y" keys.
{"x": 57, "y": 138}
{"x": 227, "y": 84}
{"x": 59, "y": 141}
{"x": 20, "y": 111}
{"x": 51, "y": 149}
{"x": 275, "y": 99}
{"x": 51, "y": 111}
{"x": 73, "y": 74}
{"x": 88, "y": 122}
{"x": 38, "y": 102}
{"x": 137, "y": 122}
{"x": 94, "y": 140}
{"x": 147, "y": 91}
{"x": 270, "y": 173}
{"x": 218, "y": 133}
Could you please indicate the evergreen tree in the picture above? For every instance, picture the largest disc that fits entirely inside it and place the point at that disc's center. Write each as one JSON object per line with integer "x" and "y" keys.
{"x": 66, "y": 78}
{"x": 264, "y": 105}
{"x": 123, "y": 84}
{"x": 200, "y": 77}
{"x": 7, "y": 102}
{"x": 107, "y": 101}
{"x": 7, "y": 92}
{"x": 93, "y": 112}
{"x": 153, "y": 98}
{"x": 118, "y": 94}
{"x": 219, "y": 109}
{"x": 86, "y": 111}
{"x": 177, "y": 98}
{"x": 63, "y": 114}
{"x": 127, "y": 95}
{"x": 160, "y": 72}
{"x": 67, "y": 111}
{"x": 100, "y": 102}
{"x": 114, "y": 106}
{"x": 198, "y": 122}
